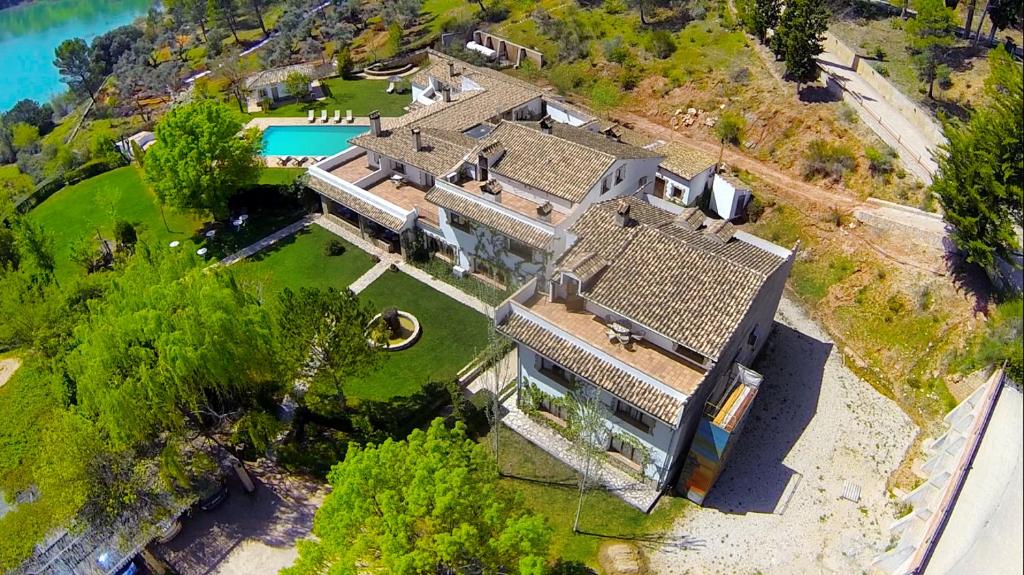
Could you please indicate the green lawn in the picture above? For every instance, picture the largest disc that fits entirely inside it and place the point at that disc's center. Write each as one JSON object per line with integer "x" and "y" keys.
{"x": 279, "y": 176}
{"x": 360, "y": 96}
{"x": 452, "y": 336}
{"x": 548, "y": 487}
{"x": 300, "y": 261}
{"x": 80, "y": 210}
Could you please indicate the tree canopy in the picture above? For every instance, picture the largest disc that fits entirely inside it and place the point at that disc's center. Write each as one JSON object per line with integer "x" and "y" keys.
{"x": 426, "y": 505}
{"x": 797, "y": 40}
{"x": 199, "y": 159}
{"x": 930, "y": 33}
{"x": 981, "y": 168}
{"x": 77, "y": 69}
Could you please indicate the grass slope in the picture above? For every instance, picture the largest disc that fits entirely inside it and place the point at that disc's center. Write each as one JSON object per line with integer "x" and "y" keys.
{"x": 94, "y": 204}
{"x": 452, "y": 335}
{"x": 300, "y": 261}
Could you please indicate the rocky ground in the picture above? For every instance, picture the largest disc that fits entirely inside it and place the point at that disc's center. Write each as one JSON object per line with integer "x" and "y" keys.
{"x": 777, "y": 508}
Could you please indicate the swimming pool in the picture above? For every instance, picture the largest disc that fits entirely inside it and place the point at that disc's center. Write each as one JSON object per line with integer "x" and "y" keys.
{"x": 308, "y": 140}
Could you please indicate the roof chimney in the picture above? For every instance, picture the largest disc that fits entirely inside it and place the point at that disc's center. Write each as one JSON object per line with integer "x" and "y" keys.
{"x": 451, "y": 69}
{"x": 417, "y": 141}
{"x": 544, "y": 212}
{"x": 446, "y": 93}
{"x": 622, "y": 213}
{"x": 545, "y": 124}
{"x": 482, "y": 168}
{"x": 611, "y": 134}
{"x": 375, "y": 123}
{"x": 491, "y": 190}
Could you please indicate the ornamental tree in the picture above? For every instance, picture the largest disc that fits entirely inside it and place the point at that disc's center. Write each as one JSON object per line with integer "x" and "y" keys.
{"x": 430, "y": 504}
{"x": 199, "y": 159}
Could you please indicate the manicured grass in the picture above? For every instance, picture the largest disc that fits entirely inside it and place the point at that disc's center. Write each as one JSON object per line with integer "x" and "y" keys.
{"x": 452, "y": 336}
{"x": 300, "y": 261}
{"x": 549, "y": 487}
{"x": 95, "y": 204}
{"x": 280, "y": 176}
{"x": 360, "y": 96}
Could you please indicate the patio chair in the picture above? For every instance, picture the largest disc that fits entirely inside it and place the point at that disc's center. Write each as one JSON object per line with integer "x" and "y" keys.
{"x": 337, "y": 117}
{"x": 348, "y": 117}
{"x": 311, "y": 117}
{"x": 323, "y": 116}
{"x": 391, "y": 88}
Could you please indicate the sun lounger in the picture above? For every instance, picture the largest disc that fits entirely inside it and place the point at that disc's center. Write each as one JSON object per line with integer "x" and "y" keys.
{"x": 323, "y": 116}
{"x": 301, "y": 161}
{"x": 348, "y": 117}
{"x": 286, "y": 160}
{"x": 391, "y": 88}
{"x": 337, "y": 116}
{"x": 311, "y": 117}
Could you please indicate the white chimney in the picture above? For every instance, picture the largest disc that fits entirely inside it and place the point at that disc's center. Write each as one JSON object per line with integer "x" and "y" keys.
{"x": 622, "y": 214}
{"x": 375, "y": 123}
{"x": 491, "y": 190}
{"x": 417, "y": 142}
{"x": 545, "y": 125}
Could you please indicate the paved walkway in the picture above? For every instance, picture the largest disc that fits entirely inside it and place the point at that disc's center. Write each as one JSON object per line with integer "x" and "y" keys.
{"x": 618, "y": 482}
{"x": 447, "y": 289}
{"x": 370, "y": 276}
{"x": 268, "y": 241}
{"x": 495, "y": 377}
{"x": 913, "y": 147}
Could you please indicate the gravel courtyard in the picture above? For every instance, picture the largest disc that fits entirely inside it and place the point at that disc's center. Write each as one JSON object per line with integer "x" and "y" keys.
{"x": 777, "y": 509}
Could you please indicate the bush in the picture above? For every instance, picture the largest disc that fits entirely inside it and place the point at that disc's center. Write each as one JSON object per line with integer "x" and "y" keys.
{"x": 755, "y": 209}
{"x": 879, "y": 53}
{"x": 615, "y": 6}
{"x": 880, "y": 162}
{"x": 882, "y": 71}
{"x": 334, "y": 248}
{"x": 661, "y": 44}
{"x": 729, "y": 128}
{"x": 93, "y": 168}
{"x": 615, "y": 50}
{"x": 566, "y": 77}
{"x": 312, "y": 449}
{"x": 605, "y": 95}
{"x": 215, "y": 42}
{"x": 826, "y": 159}
{"x": 495, "y": 13}
{"x": 125, "y": 234}
{"x": 344, "y": 62}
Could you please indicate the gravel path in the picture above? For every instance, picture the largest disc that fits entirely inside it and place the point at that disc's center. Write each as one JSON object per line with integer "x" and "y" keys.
{"x": 777, "y": 506}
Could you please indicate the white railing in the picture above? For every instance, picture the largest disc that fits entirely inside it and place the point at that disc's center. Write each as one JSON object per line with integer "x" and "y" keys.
{"x": 453, "y": 188}
{"x": 407, "y": 216}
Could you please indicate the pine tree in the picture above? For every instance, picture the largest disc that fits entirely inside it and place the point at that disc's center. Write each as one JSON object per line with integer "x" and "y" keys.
{"x": 766, "y": 17}
{"x": 798, "y": 38}
{"x": 930, "y": 33}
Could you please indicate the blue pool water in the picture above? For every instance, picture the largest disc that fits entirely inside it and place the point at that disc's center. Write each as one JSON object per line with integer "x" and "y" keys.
{"x": 308, "y": 140}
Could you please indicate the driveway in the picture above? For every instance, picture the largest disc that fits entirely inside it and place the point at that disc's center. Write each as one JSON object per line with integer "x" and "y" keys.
{"x": 814, "y": 429}
{"x": 247, "y": 534}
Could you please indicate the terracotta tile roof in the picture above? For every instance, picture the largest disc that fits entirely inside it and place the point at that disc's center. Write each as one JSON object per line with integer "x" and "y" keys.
{"x": 694, "y": 287}
{"x": 598, "y": 141}
{"x": 602, "y": 373}
{"x": 478, "y": 211}
{"x": 683, "y": 160}
{"x": 441, "y": 151}
{"x": 566, "y": 169}
{"x": 357, "y": 204}
{"x": 278, "y": 75}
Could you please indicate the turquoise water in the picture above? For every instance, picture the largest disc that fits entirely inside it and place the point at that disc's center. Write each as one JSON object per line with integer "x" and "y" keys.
{"x": 29, "y": 33}
{"x": 308, "y": 140}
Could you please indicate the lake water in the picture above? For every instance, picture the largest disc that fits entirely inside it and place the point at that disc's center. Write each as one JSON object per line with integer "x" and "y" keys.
{"x": 308, "y": 140}
{"x": 29, "y": 33}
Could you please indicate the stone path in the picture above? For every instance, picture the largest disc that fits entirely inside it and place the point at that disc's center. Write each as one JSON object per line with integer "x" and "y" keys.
{"x": 370, "y": 276}
{"x": 496, "y": 376}
{"x": 268, "y": 241}
{"x": 618, "y": 482}
{"x": 420, "y": 275}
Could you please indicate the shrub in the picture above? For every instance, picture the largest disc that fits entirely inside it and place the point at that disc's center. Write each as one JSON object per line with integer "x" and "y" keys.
{"x": 615, "y": 6}
{"x": 730, "y": 128}
{"x": 882, "y": 71}
{"x": 215, "y": 42}
{"x": 826, "y": 159}
{"x": 605, "y": 95}
{"x": 125, "y": 234}
{"x": 755, "y": 209}
{"x": 661, "y": 44}
{"x": 880, "y": 162}
{"x": 495, "y": 13}
{"x": 615, "y": 50}
{"x": 334, "y": 248}
{"x": 879, "y": 53}
{"x": 566, "y": 77}
{"x": 344, "y": 63}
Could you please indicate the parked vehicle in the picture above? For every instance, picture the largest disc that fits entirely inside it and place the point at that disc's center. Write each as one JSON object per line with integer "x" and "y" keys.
{"x": 169, "y": 532}
{"x": 214, "y": 494}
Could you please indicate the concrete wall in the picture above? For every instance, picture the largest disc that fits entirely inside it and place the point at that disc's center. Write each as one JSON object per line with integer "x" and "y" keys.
{"x": 514, "y": 53}
{"x": 564, "y": 115}
{"x": 920, "y": 118}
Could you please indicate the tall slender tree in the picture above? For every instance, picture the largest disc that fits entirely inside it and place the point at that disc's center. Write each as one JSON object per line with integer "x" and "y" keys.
{"x": 798, "y": 38}
{"x": 224, "y": 13}
{"x": 589, "y": 429}
{"x": 930, "y": 33}
{"x": 765, "y": 17}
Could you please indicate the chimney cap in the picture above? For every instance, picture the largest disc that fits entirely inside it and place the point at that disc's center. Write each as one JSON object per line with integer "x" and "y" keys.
{"x": 416, "y": 130}
{"x": 374, "y": 115}
{"x": 622, "y": 208}
{"x": 544, "y": 209}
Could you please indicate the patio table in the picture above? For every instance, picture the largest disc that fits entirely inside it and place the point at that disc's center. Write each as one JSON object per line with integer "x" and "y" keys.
{"x": 202, "y": 252}
{"x": 211, "y": 233}
{"x": 174, "y": 244}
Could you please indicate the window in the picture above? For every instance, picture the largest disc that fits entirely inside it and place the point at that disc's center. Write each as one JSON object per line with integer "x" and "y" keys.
{"x": 460, "y": 222}
{"x": 556, "y": 372}
{"x": 604, "y": 186}
{"x": 633, "y": 416}
{"x": 752, "y": 338}
{"x": 520, "y": 249}
{"x": 627, "y": 450}
{"x": 619, "y": 175}
{"x": 399, "y": 168}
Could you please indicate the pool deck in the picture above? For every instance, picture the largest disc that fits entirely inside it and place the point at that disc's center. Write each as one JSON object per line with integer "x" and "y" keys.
{"x": 264, "y": 123}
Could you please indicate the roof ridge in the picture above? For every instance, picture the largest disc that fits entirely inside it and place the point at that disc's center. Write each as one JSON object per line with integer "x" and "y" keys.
{"x": 552, "y": 135}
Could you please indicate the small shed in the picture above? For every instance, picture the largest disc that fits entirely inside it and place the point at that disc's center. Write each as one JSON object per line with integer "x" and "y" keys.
{"x": 729, "y": 196}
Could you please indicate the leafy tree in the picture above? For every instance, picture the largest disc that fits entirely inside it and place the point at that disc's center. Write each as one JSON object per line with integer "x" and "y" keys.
{"x": 426, "y": 505}
{"x": 765, "y": 17}
{"x": 13, "y": 183}
{"x": 125, "y": 235}
{"x": 233, "y": 71}
{"x": 223, "y": 13}
{"x": 297, "y": 85}
{"x": 730, "y": 127}
{"x": 77, "y": 69}
{"x": 323, "y": 339}
{"x": 30, "y": 112}
{"x": 199, "y": 160}
{"x": 797, "y": 40}
{"x": 36, "y": 246}
{"x": 345, "y": 62}
{"x": 590, "y": 435}
{"x": 981, "y": 168}
{"x": 106, "y": 49}
{"x": 171, "y": 349}
{"x": 25, "y": 137}
{"x": 930, "y": 33}
{"x": 257, "y": 8}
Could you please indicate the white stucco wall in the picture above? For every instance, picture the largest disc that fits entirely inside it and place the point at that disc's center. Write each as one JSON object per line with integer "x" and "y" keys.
{"x": 689, "y": 190}
{"x": 724, "y": 198}
{"x": 657, "y": 441}
{"x": 480, "y": 243}
{"x": 564, "y": 115}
